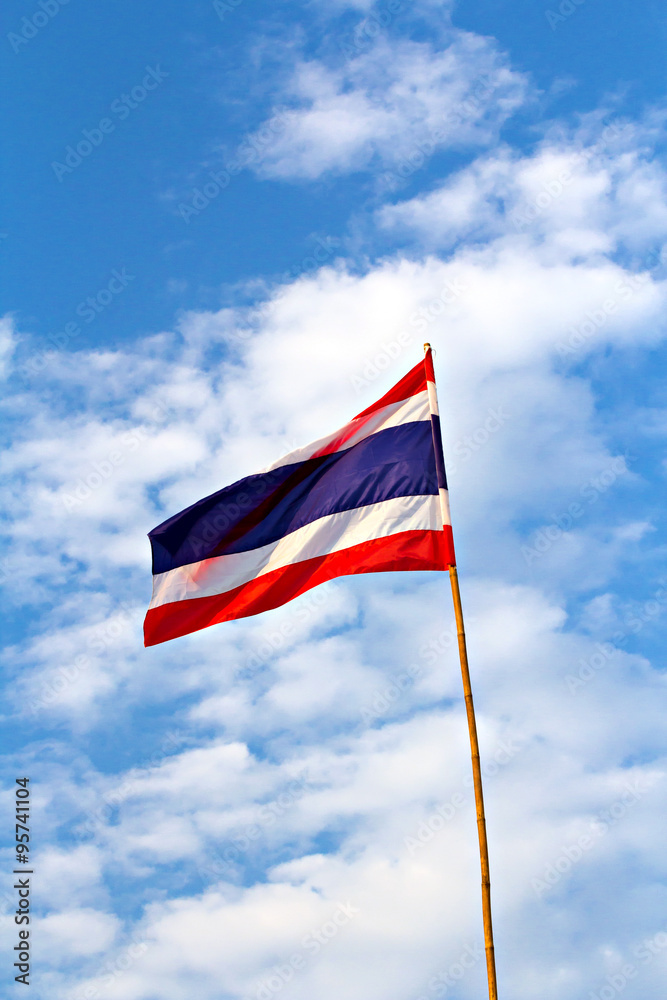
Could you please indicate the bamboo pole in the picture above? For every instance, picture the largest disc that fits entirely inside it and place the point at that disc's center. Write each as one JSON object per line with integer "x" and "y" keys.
{"x": 479, "y": 794}
{"x": 470, "y": 708}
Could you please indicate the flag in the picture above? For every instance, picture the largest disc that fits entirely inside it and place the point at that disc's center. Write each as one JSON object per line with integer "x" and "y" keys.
{"x": 370, "y": 498}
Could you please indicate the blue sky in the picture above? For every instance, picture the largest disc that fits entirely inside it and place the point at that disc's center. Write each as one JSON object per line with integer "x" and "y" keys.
{"x": 490, "y": 177}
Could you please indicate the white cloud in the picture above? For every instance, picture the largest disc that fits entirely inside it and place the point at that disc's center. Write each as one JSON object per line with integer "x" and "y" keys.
{"x": 76, "y": 932}
{"x": 389, "y": 105}
{"x": 569, "y": 196}
{"x": 71, "y": 877}
{"x": 7, "y": 343}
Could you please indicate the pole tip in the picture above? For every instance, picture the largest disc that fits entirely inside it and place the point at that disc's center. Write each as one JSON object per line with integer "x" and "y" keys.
{"x": 427, "y": 347}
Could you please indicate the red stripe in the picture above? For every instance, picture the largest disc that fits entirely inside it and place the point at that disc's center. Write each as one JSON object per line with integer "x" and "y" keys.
{"x": 410, "y": 385}
{"x": 428, "y": 365}
{"x": 407, "y": 550}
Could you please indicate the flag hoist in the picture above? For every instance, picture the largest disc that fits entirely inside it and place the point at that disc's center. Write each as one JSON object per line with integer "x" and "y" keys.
{"x": 370, "y": 498}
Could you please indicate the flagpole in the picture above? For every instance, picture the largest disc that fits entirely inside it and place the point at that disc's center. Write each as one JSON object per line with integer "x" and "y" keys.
{"x": 479, "y": 794}
{"x": 470, "y": 713}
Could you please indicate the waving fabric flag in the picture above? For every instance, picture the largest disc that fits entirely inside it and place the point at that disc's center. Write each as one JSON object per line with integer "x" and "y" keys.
{"x": 370, "y": 498}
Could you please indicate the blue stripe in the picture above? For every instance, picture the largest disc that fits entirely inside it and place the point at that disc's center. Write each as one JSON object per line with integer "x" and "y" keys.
{"x": 439, "y": 454}
{"x": 396, "y": 462}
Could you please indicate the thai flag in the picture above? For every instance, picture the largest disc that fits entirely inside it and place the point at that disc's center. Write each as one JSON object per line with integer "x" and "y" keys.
{"x": 370, "y": 498}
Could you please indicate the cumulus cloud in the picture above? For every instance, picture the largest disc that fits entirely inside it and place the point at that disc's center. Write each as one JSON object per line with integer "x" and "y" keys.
{"x": 390, "y": 104}
{"x": 590, "y": 191}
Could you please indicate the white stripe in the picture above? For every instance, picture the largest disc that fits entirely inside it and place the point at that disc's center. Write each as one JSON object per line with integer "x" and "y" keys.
{"x": 432, "y": 398}
{"x": 444, "y": 506}
{"x": 332, "y": 533}
{"x": 404, "y": 412}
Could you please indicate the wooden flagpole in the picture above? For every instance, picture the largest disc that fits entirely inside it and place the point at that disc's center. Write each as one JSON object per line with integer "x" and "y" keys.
{"x": 477, "y": 776}
{"x": 479, "y": 794}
